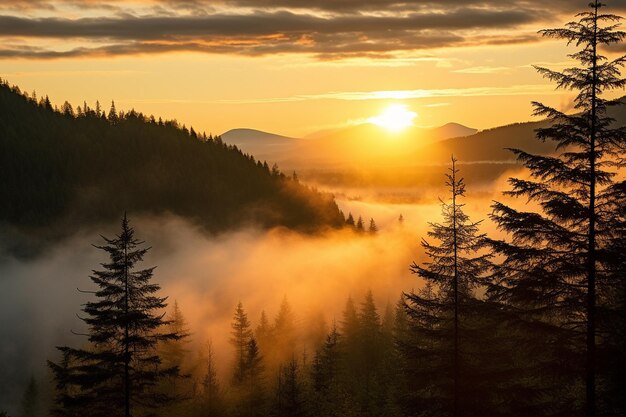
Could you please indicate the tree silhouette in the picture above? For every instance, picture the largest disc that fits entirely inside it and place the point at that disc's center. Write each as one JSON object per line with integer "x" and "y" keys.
{"x": 289, "y": 401}
{"x": 373, "y": 229}
{"x": 240, "y": 339}
{"x": 211, "y": 400}
{"x": 453, "y": 271}
{"x": 123, "y": 368}
{"x": 359, "y": 225}
{"x": 553, "y": 268}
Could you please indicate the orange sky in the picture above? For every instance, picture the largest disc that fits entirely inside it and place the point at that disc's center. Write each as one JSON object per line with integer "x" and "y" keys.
{"x": 290, "y": 67}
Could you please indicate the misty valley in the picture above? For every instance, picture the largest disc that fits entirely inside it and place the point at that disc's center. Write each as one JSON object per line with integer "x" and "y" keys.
{"x": 391, "y": 265}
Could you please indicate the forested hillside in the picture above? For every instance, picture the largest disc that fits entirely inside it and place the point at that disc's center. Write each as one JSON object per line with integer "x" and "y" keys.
{"x": 64, "y": 168}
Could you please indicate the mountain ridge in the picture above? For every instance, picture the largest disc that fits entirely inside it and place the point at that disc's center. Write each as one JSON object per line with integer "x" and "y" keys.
{"x": 62, "y": 170}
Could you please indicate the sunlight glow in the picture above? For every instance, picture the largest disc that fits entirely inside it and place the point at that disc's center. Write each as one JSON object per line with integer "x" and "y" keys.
{"x": 395, "y": 118}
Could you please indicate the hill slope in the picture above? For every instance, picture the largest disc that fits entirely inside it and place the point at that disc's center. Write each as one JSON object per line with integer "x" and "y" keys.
{"x": 61, "y": 171}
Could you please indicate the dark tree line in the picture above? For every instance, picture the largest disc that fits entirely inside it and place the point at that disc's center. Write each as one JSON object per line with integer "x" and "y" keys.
{"x": 67, "y": 168}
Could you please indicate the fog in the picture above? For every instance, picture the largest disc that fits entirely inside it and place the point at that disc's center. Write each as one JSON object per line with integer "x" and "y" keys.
{"x": 209, "y": 275}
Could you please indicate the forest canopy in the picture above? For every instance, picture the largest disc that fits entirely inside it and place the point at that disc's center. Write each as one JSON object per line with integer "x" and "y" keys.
{"x": 65, "y": 168}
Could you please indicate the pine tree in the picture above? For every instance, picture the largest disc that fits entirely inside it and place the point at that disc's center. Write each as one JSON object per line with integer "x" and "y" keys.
{"x": 113, "y": 117}
{"x": 350, "y": 220}
{"x": 359, "y": 225}
{"x": 240, "y": 339}
{"x": 284, "y": 333}
{"x": 264, "y": 332}
{"x": 553, "y": 267}
{"x": 451, "y": 274}
{"x": 289, "y": 401}
{"x": 373, "y": 228}
{"x": 326, "y": 376}
{"x": 121, "y": 369}
{"x": 350, "y": 325}
{"x": 173, "y": 353}
{"x": 370, "y": 356}
{"x": 211, "y": 399}
{"x": 253, "y": 399}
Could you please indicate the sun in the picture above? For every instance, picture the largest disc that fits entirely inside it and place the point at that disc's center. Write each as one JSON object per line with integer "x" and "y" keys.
{"x": 394, "y": 118}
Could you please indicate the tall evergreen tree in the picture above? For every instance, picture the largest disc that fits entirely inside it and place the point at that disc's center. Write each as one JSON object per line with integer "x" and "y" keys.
{"x": 173, "y": 352}
{"x": 211, "y": 402}
{"x": 119, "y": 372}
{"x": 553, "y": 268}
{"x": 373, "y": 229}
{"x": 326, "y": 376}
{"x": 264, "y": 332}
{"x": 241, "y": 335}
{"x": 359, "y": 225}
{"x": 289, "y": 401}
{"x": 370, "y": 357}
{"x": 253, "y": 395}
{"x": 452, "y": 274}
{"x": 284, "y": 333}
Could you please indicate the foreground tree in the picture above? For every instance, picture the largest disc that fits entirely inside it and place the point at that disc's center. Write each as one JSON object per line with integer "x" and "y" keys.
{"x": 119, "y": 371}
{"x": 554, "y": 268}
{"x": 434, "y": 350}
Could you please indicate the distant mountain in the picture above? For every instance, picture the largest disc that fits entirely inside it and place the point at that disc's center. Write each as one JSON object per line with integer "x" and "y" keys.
{"x": 245, "y": 136}
{"x": 61, "y": 171}
{"x": 368, "y": 155}
{"x": 338, "y": 147}
{"x": 453, "y": 130}
{"x": 263, "y": 145}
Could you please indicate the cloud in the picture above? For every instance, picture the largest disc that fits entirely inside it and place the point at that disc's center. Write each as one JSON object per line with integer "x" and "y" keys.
{"x": 526, "y": 89}
{"x": 482, "y": 70}
{"x": 328, "y": 30}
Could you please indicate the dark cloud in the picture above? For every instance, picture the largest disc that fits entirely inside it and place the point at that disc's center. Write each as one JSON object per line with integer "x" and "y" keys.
{"x": 258, "y": 24}
{"x": 348, "y": 28}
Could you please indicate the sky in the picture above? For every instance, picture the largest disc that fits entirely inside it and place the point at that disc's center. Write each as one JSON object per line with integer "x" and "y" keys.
{"x": 292, "y": 67}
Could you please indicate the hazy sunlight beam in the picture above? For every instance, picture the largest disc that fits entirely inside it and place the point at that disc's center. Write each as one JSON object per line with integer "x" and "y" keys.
{"x": 396, "y": 117}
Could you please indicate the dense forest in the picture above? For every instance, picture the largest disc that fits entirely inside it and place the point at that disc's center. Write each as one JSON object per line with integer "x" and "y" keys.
{"x": 64, "y": 168}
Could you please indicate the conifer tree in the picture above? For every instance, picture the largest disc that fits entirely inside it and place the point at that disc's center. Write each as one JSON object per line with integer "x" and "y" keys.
{"x": 289, "y": 401}
{"x": 451, "y": 274}
{"x": 173, "y": 352}
{"x": 553, "y": 269}
{"x": 350, "y": 325}
{"x": 113, "y": 117}
{"x": 211, "y": 400}
{"x": 284, "y": 332}
{"x": 240, "y": 339}
{"x": 359, "y": 225}
{"x": 253, "y": 396}
{"x": 370, "y": 356}
{"x": 326, "y": 377}
{"x": 264, "y": 332}
{"x": 350, "y": 220}
{"x": 121, "y": 369}
{"x": 373, "y": 228}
